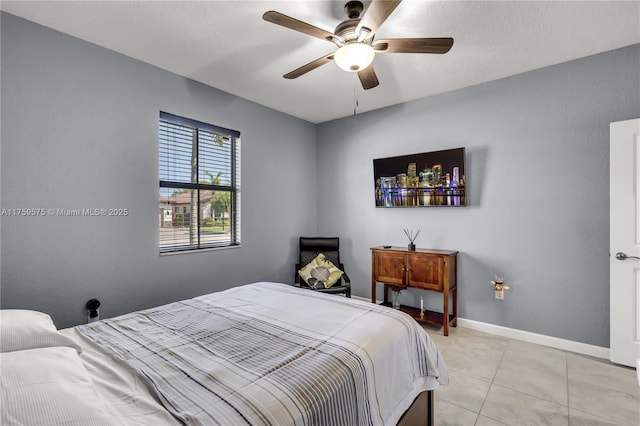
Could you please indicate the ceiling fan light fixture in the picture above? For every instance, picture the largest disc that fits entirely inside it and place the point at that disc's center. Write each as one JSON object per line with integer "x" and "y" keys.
{"x": 354, "y": 57}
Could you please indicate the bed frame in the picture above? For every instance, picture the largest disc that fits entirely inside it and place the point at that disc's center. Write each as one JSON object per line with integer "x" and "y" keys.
{"x": 421, "y": 412}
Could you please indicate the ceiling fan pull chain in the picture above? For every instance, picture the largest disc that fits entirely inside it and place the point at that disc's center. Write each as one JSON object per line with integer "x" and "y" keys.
{"x": 355, "y": 97}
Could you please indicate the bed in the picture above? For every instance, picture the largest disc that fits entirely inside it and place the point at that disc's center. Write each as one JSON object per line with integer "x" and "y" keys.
{"x": 258, "y": 354}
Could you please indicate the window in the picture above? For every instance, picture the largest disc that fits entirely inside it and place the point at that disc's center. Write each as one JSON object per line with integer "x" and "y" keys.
{"x": 199, "y": 196}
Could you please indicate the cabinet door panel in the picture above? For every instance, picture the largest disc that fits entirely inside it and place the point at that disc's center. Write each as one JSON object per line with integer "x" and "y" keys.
{"x": 426, "y": 271}
{"x": 390, "y": 267}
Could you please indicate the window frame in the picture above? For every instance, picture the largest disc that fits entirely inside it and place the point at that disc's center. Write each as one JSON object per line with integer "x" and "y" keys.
{"x": 233, "y": 188}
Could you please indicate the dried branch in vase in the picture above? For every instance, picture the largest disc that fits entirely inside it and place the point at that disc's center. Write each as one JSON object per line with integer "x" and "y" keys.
{"x": 410, "y": 235}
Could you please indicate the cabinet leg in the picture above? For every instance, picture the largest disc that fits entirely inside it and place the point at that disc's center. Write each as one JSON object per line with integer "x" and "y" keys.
{"x": 445, "y": 313}
{"x": 455, "y": 307}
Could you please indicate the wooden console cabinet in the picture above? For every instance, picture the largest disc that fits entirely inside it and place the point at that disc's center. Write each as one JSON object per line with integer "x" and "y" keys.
{"x": 432, "y": 270}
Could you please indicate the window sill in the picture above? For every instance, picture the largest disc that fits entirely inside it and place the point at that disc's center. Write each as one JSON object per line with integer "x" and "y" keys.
{"x": 200, "y": 250}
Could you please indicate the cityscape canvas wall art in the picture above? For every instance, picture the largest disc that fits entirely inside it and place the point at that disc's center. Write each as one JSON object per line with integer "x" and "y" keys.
{"x": 435, "y": 178}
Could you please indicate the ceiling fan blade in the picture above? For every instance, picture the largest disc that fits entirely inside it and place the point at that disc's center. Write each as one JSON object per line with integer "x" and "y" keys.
{"x": 309, "y": 67}
{"x": 414, "y": 45}
{"x": 375, "y": 15}
{"x": 368, "y": 78}
{"x": 296, "y": 25}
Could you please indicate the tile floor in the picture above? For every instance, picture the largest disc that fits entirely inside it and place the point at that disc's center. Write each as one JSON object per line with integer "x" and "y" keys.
{"x": 498, "y": 381}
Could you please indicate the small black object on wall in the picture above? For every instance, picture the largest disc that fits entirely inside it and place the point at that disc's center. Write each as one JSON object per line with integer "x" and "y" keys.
{"x": 93, "y": 306}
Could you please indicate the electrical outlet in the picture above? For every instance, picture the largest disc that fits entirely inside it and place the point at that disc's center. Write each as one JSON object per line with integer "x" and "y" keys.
{"x": 500, "y": 294}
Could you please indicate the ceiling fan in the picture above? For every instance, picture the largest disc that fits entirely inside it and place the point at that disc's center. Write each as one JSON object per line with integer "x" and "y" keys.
{"x": 355, "y": 40}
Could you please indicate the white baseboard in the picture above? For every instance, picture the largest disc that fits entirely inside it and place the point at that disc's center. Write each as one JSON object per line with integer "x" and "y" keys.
{"x": 539, "y": 339}
{"x": 526, "y": 336}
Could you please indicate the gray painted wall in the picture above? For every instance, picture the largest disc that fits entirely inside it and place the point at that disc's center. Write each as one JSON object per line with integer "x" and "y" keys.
{"x": 79, "y": 130}
{"x": 537, "y": 173}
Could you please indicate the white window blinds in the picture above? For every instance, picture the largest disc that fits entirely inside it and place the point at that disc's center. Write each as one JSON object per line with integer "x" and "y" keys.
{"x": 199, "y": 191}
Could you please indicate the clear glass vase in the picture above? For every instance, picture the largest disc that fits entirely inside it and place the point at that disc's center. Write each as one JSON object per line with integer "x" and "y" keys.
{"x": 395, "y": 299}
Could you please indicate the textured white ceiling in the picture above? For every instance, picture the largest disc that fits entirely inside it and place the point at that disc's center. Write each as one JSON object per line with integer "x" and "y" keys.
{"x": 227, "y": 45}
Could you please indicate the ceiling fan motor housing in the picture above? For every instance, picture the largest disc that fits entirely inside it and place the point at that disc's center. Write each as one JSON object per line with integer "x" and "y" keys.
{"x": 346, "y": 30}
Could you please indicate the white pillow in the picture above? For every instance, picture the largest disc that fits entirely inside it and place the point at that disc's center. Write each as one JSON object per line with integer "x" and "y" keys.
{"x": 22, "y": 329}
{"x": 49, "y": 386}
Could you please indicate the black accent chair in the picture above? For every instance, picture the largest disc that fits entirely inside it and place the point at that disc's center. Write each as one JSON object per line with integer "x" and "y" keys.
{"x": 308, "y": 249}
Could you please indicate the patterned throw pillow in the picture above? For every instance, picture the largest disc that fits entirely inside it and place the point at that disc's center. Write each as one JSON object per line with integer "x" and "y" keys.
{"x": 321, "y": 272}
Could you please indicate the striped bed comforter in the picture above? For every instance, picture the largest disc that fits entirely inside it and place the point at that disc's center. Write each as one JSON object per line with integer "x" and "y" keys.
{"x": 272, "y": 354}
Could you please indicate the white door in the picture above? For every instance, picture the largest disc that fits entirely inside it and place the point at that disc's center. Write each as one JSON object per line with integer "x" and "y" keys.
{"x": 625, "y": 243}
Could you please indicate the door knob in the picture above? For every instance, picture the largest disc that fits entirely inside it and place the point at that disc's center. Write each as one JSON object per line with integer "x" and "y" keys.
{"x": 623, "y": 256}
